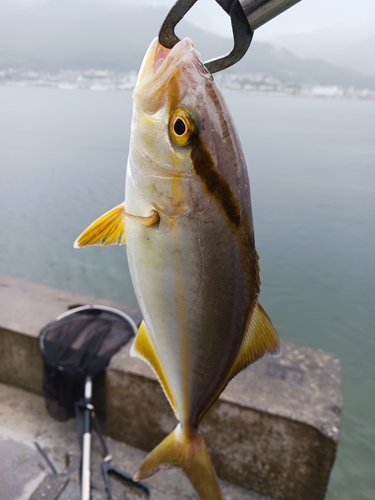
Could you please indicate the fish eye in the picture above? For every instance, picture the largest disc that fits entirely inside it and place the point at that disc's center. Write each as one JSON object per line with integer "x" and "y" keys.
{"x": 181, "y": 127}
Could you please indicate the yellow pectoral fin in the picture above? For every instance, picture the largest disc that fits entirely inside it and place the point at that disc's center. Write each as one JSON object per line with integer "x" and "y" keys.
{"x": 143, "y": 348}
{"x": 109, "y": 229}
{"x": 259, "y": 339}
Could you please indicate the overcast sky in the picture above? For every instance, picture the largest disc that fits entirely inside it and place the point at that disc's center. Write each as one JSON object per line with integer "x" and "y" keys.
{"x": 308, "y": 15}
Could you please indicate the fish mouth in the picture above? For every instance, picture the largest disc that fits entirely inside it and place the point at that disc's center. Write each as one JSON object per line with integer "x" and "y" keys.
{"x": 158, "y": 58}
{"x": 159, "y": 66}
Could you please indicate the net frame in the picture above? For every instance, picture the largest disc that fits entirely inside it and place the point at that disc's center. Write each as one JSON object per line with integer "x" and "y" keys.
{"x": 63, "y": 385}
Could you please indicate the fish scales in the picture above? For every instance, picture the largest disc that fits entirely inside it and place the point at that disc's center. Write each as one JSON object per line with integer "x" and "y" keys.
{"x": 188, "y": 228}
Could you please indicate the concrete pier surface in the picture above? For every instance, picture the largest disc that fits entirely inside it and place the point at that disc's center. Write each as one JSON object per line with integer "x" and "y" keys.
{"x": 25, "y": 475}
{"x": 274, "y": 430}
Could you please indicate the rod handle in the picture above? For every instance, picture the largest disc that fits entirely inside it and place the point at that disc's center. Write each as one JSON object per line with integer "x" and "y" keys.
{"x": 259, "y": 12}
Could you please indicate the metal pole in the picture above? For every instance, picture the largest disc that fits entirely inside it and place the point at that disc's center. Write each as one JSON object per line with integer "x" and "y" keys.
{"x": 86, "y": 446}
{"x": 259, "y": 12}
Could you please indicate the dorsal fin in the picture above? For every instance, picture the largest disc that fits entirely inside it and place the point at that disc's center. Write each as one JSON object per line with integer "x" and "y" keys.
{"x": 259, "y": 338}
{"x": 143, "y": 348}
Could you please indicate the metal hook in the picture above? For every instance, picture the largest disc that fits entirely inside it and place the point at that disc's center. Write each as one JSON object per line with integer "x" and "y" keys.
{"x": 242, "y": 32}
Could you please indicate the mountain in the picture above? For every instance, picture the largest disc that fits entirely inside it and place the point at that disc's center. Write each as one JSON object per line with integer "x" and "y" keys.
{"x": 340, "y": 45}
{"x": 75, "y": 34}
{"x": 281, "y": 63}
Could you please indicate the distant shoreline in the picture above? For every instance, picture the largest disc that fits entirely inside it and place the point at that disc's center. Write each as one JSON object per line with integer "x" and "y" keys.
{"x": 109, "y": 80}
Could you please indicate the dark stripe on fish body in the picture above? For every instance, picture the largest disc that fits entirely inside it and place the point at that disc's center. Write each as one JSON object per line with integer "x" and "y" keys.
{"x": 205, "y": 167}
{"x": 219, "y": 111}
{"x": 216, "y": 185}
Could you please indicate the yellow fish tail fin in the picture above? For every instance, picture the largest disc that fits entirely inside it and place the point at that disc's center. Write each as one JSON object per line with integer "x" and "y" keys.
{"x": 187, "y": 450}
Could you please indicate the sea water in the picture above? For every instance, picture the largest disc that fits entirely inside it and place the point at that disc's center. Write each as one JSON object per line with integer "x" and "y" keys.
{"x": 312, "y": 173}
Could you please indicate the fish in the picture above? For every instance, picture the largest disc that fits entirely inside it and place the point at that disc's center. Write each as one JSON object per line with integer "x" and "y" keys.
{"x": 188, "y": 228}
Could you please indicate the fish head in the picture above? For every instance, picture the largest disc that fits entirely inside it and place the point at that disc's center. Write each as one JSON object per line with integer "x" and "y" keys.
{"x": 176, "y": 108}
{"x": 165, "y": 105}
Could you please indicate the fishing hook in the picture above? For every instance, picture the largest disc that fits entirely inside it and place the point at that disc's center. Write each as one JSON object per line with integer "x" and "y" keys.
{"x": 242, "y": 32}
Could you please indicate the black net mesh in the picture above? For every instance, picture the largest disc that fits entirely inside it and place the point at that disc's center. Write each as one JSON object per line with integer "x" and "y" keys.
{"x": 78, "y": 345}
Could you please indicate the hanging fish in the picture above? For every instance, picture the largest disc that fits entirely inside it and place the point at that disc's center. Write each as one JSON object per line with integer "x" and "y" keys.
{"x": 188, "y": 227}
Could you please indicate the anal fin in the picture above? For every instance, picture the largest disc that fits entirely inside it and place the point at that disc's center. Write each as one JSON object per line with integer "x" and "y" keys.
{"x": 143, "y": 348}
{"x": 260, "y": 338}
{"x": 109, "y": 229}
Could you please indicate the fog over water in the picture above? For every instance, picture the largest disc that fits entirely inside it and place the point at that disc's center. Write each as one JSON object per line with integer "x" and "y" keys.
{"x": 78, "y": 34}
{"x": 311, "y": 165}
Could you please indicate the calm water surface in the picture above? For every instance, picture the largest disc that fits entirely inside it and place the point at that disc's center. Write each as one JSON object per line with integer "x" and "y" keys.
{"x": 312, "y": 173}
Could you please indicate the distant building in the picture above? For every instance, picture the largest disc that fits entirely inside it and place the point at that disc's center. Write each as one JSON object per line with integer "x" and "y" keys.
{"x": 332, "y": 91}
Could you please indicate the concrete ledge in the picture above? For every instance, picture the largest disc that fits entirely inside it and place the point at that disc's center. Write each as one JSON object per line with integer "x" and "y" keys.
{"x": 274, "y": 430}
{"x": 25, "y": 308}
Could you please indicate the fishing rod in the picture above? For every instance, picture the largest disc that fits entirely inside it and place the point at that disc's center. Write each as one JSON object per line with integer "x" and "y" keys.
{"x": 259, "y": 12}
{"x": 246, "y": 16}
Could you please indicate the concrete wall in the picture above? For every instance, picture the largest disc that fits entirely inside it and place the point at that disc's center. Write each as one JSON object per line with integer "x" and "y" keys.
{"x": 274, "y": 429}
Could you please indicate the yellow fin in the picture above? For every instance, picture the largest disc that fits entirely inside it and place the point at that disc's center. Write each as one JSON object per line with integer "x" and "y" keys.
{"x": 186, "y": 449}
{"x": 260, "y": 338}
{"x": 109, "y": 229}
{"x": 143, "y": 348}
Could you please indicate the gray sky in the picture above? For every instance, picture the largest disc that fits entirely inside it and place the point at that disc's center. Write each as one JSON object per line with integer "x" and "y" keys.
{"x": 307, "y": 16}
